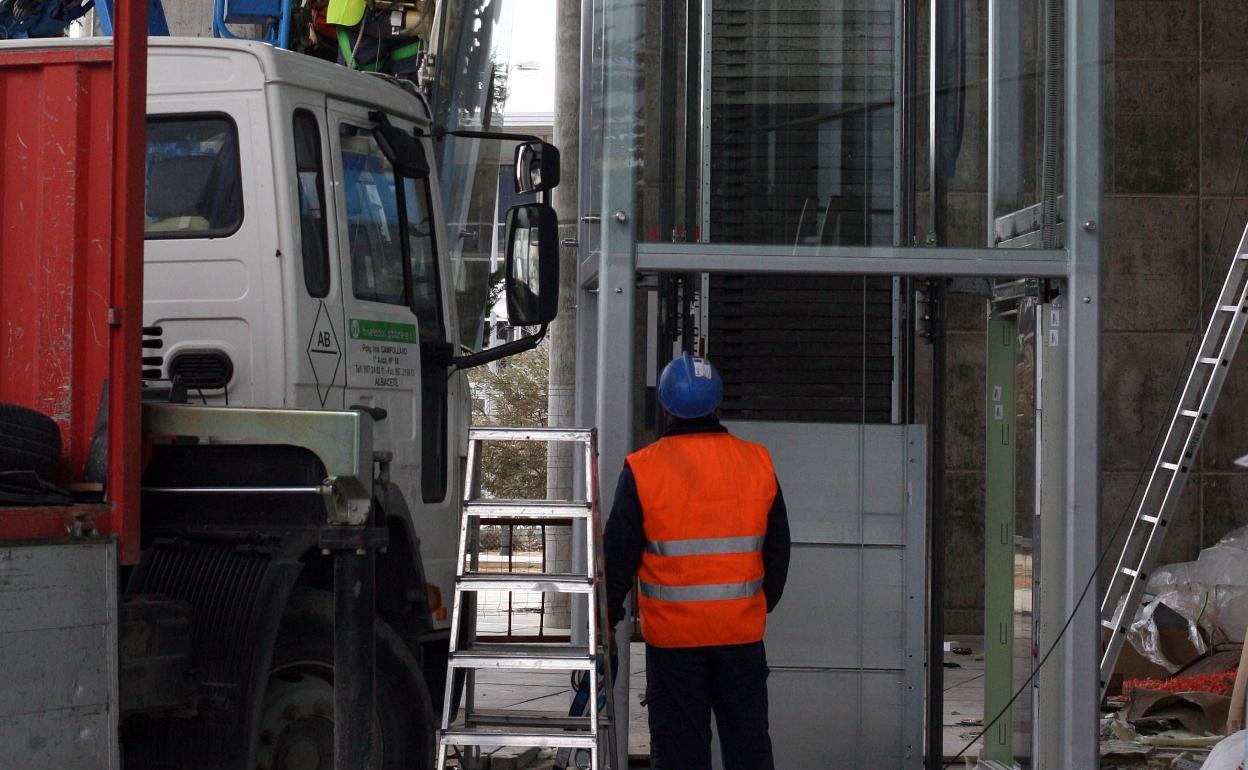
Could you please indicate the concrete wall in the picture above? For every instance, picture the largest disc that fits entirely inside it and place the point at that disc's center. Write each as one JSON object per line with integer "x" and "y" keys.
{"x": 1178, "y": 94}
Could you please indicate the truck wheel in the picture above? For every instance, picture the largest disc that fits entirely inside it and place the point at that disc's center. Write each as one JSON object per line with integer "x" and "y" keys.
{"x": 29, "y": 441}
{"x": 297, "y": 717}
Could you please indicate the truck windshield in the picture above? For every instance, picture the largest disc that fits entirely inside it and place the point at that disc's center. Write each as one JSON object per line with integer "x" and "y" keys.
{"x": 192, "y": 178}
{"x": 374, "y": 232}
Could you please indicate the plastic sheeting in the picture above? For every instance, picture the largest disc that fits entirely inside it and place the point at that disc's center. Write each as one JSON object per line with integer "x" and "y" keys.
{"x": 1210, "y": 593}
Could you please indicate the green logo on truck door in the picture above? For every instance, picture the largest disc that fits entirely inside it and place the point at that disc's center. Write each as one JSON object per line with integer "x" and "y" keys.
{"x": 383, "y": 331}
{"x": 383, "y": 354}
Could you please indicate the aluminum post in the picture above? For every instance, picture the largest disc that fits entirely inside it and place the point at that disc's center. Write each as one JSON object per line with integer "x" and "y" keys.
{"x": 1084, "y": 69}
{"x": 623, "y": 47}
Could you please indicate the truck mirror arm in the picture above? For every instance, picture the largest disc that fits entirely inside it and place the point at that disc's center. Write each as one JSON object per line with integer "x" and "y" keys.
{"x": 464, "y": 133}
{"x": 528, "y": 342}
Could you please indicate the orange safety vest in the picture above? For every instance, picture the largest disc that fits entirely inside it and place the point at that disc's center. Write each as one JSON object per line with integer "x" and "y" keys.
{"x": 704, "y": 498}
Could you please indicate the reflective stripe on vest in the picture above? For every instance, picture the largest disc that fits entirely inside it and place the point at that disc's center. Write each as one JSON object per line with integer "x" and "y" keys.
{"x": 701, "y": 593}
{"x": 704, "y": 546}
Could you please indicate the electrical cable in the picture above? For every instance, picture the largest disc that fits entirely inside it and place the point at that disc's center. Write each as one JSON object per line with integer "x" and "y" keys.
{"x": 1196, "y": 326}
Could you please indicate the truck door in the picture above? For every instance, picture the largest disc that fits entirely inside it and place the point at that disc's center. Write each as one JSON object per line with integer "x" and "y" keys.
{"x": 394, "y": 322}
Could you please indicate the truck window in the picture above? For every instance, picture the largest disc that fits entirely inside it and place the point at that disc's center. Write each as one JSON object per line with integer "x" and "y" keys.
{"x": 373, "y": 232}
{"x": 310, "y": 173}
{"x": 426, "y": 284}
{"x": 192, "y": 180}
{"x": 372, "y": 219}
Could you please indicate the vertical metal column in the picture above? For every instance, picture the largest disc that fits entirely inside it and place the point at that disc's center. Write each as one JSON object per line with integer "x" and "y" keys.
{"x": 623, "y": 46}
{"x": 129, "y": 76}
{"x": 936, "y": 535}
{"x": 1051, "y": 359}
{"x": 354, "y": 658}
{"x": 1001, "y": 419}
{"x": 1078, "y": 728}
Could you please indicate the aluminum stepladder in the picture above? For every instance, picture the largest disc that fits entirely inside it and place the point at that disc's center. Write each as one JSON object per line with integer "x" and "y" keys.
{"x": 594, "y": 733}
{"x": 1173, "y": 464}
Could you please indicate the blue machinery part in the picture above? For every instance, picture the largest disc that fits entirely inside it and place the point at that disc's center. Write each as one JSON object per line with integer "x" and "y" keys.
{"x": 156, "y": 24}
{"x": 273, "y": 15}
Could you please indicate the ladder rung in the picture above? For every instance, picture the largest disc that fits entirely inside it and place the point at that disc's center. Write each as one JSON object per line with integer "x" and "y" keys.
{"x": 1130, "y": 572}
{"x": 515, "y": 656}
{"x": 516, "y": 581}
{"x": 1149, "y": 519}
{"x": 1170, "y": 466}
{"x": 546, "y": 739}
{"x": 529, "y": 434}
{"x": 528, "y": 509}
{"x": 1189, "y": 412}
{"x": 499, "y": 718}
{"x": 1212, "y": 361}
{"x": 1109, "y": 624}
{"x": 1230, "y": 308}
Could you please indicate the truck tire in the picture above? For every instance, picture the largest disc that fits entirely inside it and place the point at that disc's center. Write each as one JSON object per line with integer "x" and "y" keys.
{"x": 29, "y": 441}
{"x": 296, "y": 730}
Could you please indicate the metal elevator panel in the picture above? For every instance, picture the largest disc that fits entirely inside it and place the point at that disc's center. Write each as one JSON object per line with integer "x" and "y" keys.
{"x": 58, "y": 638}
{"x": 846, "y": 643}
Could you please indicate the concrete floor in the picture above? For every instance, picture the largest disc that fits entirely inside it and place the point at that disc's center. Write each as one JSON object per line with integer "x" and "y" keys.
{"x": 550, "y": 693}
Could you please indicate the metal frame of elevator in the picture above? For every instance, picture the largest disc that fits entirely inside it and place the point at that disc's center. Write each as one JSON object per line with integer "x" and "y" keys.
{"x": 1069, "y": 459}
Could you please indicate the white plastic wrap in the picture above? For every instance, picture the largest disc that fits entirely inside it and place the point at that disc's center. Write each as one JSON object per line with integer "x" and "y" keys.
{"x": 1230, "y": 754}
{"x": 1210, "y": 593}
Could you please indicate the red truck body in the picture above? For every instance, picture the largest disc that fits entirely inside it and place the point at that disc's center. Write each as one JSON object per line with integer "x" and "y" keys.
{"x": 71, "y": 264}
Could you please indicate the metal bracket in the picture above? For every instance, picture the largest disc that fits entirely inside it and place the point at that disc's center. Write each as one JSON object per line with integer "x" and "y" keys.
{"x": 342, "y": 440}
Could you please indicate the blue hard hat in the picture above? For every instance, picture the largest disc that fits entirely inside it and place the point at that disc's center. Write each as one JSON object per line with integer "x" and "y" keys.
{"x": 690, "y": 387}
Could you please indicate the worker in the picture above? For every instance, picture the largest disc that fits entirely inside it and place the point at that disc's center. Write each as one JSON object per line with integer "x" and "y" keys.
{"x": 699, "y": 519}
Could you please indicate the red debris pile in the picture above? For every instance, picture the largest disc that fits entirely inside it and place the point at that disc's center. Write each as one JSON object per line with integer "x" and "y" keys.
{"x": 1220, "y": 683}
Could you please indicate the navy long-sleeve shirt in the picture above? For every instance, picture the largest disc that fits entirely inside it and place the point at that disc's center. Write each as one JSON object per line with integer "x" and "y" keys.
{"x": 624, "y": 539}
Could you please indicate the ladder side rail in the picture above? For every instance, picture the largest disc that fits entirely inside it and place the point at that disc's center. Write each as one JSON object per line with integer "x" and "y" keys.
{"x": 596, "y": 523}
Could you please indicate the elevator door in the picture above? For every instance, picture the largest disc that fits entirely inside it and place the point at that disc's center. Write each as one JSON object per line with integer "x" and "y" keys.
{"x": 846, "y": 643}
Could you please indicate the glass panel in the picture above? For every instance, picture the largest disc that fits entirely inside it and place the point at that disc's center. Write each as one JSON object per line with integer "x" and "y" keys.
{"x": 1023, "y": 123}
{"x": 471, "y": 89}
{"x": 372, "y": 219}
{"x": 192, "y": 180}
{"x": 313, "y": 238}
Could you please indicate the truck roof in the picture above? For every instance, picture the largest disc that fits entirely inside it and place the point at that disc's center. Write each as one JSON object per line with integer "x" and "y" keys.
{"x": 239, "y": 65}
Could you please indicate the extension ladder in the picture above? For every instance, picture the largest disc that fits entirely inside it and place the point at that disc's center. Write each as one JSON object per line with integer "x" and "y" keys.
{"x": 479, "y": 729}
{"x": 1174, "y": 462}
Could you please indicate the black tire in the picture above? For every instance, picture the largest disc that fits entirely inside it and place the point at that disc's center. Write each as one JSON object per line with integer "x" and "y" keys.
{"x": 297, "y": 714}
{"x": 29, "y": 441}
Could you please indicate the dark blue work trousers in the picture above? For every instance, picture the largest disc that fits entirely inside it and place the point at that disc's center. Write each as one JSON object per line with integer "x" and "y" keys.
{"x": 684, "y": 686}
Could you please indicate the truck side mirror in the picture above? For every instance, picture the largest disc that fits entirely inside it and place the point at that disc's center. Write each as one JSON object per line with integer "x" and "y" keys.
{"x": 537, "y": 167}
{"x": 532, "y": 264}
{"x": 402, "y": 150}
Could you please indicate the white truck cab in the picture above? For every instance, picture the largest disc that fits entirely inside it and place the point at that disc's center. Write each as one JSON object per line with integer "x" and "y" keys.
{"x": 276, "y": 252}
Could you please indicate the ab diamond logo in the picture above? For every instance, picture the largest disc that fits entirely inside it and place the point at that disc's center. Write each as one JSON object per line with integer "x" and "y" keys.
{"x": 324, "y": 353}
